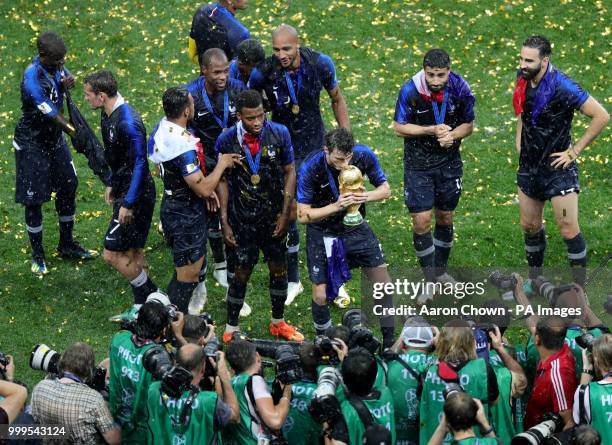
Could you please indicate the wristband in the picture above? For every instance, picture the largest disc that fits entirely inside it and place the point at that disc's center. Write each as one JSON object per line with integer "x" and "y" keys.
{"x": 485, "y": 432}
{"x": 587, "y": 371}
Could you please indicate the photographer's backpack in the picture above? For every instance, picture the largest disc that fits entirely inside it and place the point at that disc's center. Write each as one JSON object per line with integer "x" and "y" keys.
{"x": 374, "y": 431}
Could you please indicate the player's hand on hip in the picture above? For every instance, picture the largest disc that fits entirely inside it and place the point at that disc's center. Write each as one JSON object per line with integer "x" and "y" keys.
{"x": 281, "y": 226}
{"x": 126, "y": 216}
{"x": 68, "y": 81}
{"x": 108, "y": 195}
{"x": 563, "y": 159}
{"x": 228, "y": 236}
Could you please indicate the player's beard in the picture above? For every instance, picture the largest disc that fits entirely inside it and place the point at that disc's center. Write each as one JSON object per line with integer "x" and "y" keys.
{"x": 435, "y": 89}
{"x": 529, "y": 74}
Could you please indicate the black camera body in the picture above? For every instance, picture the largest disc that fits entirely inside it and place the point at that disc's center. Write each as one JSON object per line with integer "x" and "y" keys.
{"x": 360, "y": 335}
{"x": 324, "y": 406}
{"x": 324, "y": 348}
{"x": 288, "y": 365}
{"x": 451, "y": 388}
{"x": 502, "y": 281}
{"x": 585, "y": 341}
{"x": 4, "y": 361}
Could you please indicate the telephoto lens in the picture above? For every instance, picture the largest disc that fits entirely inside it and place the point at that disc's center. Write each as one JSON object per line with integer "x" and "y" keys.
{"x": 324, "y": 406}
{"x": 43, "y": 358}
{"x": 538, "y": 433}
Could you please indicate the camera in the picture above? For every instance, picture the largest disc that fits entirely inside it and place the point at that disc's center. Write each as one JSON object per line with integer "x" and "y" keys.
{"x": 175, "y": 379}
{"x": 549, "y": 291}
{"x": 536, "y": 435}
{"x": 324, "y": 348}
{"x": 585, "y": 341}
{"x": 210, "y": 351}
{"x": 43, "y": 358}
{"x": 360, "y": 335}
{"x": 451, "y": 388}
{"x": 324, "y": 406}
{"x": 288, "y": 365}
{"x": 208, "y": 320}
{"x": 501, "y": 281}
{"x": 4, "y": 361}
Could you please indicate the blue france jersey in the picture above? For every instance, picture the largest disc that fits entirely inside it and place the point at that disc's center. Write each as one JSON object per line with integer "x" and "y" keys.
{"x": 234, "y": 72}
{"x": 552, "y": 130}
{"x": 125, "y": 141}
{"x": 42, "y": 97}
{"x": 423, "y": 153}
{"x": 314, "y": 187}
{"x": 317, "y": 72}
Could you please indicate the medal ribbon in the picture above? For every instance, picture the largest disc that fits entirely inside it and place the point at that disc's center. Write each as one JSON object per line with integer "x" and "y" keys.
{"x": 253, "y": 164}
{"x": 222, "y": 123}
{"x": 440, "y": 114}
{"x": 292, "y": 93}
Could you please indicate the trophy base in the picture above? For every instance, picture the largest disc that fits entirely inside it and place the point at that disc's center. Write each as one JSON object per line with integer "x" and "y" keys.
{"x": 353, "y": 219}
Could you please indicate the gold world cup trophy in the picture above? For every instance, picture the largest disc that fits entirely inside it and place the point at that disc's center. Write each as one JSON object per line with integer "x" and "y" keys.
{"x": 351, "y": 181}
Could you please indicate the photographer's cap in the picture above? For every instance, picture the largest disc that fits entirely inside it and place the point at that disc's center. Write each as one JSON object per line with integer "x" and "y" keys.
{"x": 417, "y": 333}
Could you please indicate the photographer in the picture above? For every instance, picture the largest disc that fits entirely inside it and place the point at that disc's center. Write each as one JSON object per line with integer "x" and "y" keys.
{"x": 260, "y": 418}
{"x": 68, "y": 401}
{"x": 197, "y": 329}
{"x": 366, "y": 411}
{"x": 129, "y": 381}
{"x": 12, "y": 396}
{"x": 457, "y": 369}
{"x": 405, "y": 369}
{"x": 555, "y": 380}
{"x": 593, "y": 399}
{"x": 300, "y": 428}
{"x": 461, "y": 413}
{"x": 195, "y": 416}
{"x": 564, "y": 297}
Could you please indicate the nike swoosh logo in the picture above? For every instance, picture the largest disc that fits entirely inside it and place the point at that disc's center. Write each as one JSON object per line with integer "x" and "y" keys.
{"x": 421, "y": 112}
{"x": 110, "y": 239}
{"x": 202, "y": 114}
{"x": 324, "y": 185}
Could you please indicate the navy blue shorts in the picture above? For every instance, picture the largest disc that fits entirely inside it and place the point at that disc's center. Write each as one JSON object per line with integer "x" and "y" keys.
{"x": 542, "y": 185}
{"x": 121, "y": 238}
{"x": 361, "y": 246}
{"x": 438, "y": 187}
{"x": 184, "y": 225}
{"x": 251, "y": 240}
{"x": 43, "y": 170}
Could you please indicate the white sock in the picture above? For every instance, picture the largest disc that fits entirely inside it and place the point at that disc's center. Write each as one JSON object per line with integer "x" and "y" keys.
{"x": 277, "y": 320}
{"x": 140, "y": 279}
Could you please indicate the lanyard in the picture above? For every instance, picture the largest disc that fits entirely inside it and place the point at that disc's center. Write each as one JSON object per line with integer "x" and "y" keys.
{"x": 253, "y": 165}
{"x": 72, "y": 377}
{"x": 222, "y": 123}
{"x": 440, "y": 114}
{"x": 51, "y": 78}
{"x": 330, "y": 177}
{"x": 292, "y": 92}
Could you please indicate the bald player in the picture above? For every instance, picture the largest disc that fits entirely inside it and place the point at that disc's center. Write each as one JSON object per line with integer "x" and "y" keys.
{"x": 292, "y": 80}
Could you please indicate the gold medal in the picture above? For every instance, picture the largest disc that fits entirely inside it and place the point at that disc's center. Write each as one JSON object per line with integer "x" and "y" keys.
{"x": 224, "y": 130}
{"x": 295, "y": 109}
{"x": 255, "y": 178}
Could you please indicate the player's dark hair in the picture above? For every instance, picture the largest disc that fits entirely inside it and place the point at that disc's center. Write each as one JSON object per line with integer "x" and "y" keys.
{"x": 240, "y": 354}
{"x": 78, "y": 359}
{"x": 102, "y": 82}
{"x": 436, "y": 58}
{"x": 359, "y": 371}
{"x": 51, "y": 43}
{"x": 152, "y": 320}
{"x": 501, "y": 319}
{"x": 339, "y": 139}
{"x": 210, "y": 54}
{"x": 175, "y": 100}
{"x": 190, "y": 357}
{"x": 338, "y": 331}
{"x": 541, "y": 43}
{"x": 194, "y": 328}
{"x": 309, "y": 360}
{"x": 460, "y": 411}
{"x": 248, "y": 99}
{"x": 552, "y": 331}
{"x": 250, "y": 52}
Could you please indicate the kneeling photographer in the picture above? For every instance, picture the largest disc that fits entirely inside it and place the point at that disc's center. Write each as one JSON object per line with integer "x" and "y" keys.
{"x": 261, "y": 416}
{"x": 178, "y": 410}
{"x": 300, "y": 428}
{"x": 68, "y": 400}
{"x": 593, "y": 399}
{"x": 366, "y": 415}
{"x": 458, "y": 368}
{"x": 461, "y": 414}
{"x": 129, "y": 380}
